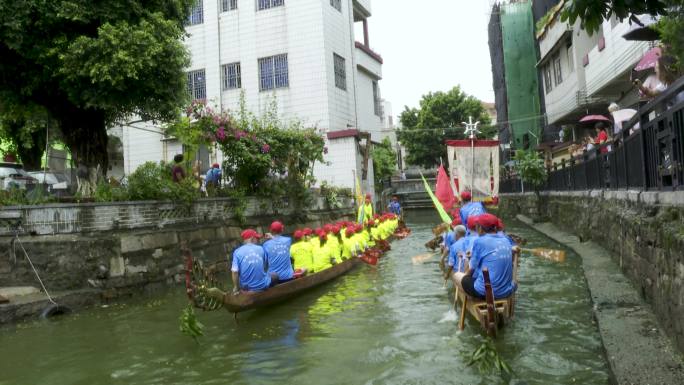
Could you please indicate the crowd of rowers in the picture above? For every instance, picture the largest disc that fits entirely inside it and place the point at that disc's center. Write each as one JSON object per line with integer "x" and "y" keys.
{"x": 477, "y": 241}
{"x": 256, "y": 267}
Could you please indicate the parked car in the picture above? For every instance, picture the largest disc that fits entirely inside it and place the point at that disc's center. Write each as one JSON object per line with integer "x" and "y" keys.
{"x": 57, "y": 182}
{"x": 14, "y": 175}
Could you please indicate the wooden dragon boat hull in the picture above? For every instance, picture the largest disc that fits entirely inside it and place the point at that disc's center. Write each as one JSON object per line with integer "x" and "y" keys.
{"x": 282, "y": 292}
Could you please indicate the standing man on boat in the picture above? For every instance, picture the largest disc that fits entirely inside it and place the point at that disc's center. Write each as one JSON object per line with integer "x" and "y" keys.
{"x": 494, "y": 252}
{"x": 470, "y": 208}
{"x": 365, "y": 210}
{"x": 248, "y": 270}
{"x": 277, "y": 253}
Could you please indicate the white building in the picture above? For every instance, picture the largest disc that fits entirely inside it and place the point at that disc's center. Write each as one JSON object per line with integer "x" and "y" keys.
{"x": 301, "y": 53}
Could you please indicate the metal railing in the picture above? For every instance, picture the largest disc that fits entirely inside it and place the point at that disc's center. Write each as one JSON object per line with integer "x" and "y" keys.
{"x": 648, "y": 154}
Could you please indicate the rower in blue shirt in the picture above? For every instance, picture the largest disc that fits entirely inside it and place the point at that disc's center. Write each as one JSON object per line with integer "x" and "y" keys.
{"x": 494, "y": 252}
{"x": 470, "y": 208}
{"x": 277, "y": 253}
{"x": 247, "y": 269}
{"x": 456, "y": 252}
{"x": 471, "y": 234}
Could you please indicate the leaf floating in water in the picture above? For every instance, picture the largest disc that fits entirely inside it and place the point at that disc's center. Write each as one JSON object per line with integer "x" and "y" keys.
{"x": 488, "y": 358}
{"x": 189, "y": 325}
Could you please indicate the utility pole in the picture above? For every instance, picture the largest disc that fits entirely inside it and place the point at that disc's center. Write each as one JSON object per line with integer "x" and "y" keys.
{"x": 471, "y": 131}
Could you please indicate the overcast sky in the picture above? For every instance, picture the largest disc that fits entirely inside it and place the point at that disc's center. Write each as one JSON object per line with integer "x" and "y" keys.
{"x": 431, "y": 45}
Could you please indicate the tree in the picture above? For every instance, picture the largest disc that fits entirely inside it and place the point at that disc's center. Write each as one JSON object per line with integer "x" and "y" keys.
{"x": 384, "y": 161}
{"x": 530, "y": 166}
{"x": 592, "y": 12}
{"x": 25, "y": 130}
{"x": 90, "y": 64}
{"x": 671, "y": 28}
{"x": 439, "y": 118}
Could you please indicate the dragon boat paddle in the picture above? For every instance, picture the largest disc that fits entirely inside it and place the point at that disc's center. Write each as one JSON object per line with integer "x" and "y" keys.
{"x": 550, "y": 254}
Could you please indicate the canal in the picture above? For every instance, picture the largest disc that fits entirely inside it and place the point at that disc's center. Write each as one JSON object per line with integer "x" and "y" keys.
{"x": 391, "y": 324}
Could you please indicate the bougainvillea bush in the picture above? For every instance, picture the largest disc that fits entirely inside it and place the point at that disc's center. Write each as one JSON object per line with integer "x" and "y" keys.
{"x": 261, "y": 153}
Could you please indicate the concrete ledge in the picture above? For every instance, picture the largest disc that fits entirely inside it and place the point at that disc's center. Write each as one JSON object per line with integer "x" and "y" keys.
{"x": 637, "y": 350}
{"x": 667, "y": 198}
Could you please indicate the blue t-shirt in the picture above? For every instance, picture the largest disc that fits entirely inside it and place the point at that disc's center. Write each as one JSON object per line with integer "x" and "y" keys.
{"x": 468, "y": 241}
{"x": 248, "y": 261}
{"x": 471, "y": 209}
{"x": 494, "y": 252}
{"x": 449, "y": 239}
{"x": 501, "y": 233}
{"x": 395, "y": 208}
{"x": 277, "y": 256}
{"x": 213, "y": 175}
{"x": 456, "y": 254}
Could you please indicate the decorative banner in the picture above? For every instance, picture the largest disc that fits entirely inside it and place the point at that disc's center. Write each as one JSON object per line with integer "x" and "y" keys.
{"x": 474, "y": 164}
{"x": 443, "y": 190}
{"x": 442, "y": 214}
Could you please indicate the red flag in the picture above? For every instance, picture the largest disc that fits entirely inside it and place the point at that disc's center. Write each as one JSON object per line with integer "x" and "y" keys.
{"x": 444, "y": 193}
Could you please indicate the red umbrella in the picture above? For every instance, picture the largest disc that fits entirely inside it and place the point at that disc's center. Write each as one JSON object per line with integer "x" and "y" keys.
{"x": 649, "y": 60}
{"x": 594, "y": 118}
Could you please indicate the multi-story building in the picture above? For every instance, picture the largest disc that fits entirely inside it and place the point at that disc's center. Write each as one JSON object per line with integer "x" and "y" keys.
{"x": 584, "y": 73}
{"x": 301, "y": 56}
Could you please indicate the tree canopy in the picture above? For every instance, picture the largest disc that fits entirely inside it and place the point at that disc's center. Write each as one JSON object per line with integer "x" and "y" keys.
{"x": 384, "y": 161}
{"x": 591, "y": 13}
{"x": 439, "y": 118}
{"x": 88, "y": 64}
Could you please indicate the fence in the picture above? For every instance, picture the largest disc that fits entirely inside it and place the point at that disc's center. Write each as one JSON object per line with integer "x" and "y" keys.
{"x": 63, "y": 218}
{"x": 651, "y": 157}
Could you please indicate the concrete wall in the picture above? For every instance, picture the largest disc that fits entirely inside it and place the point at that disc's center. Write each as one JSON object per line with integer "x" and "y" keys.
{"x": 117, "y": 261}
{"x": 644, "y": 231}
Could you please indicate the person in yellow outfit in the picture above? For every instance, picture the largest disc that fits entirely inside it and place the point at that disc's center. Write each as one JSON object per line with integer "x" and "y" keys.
{"x": 349, "y": 245}
{"x": 302, "y": 253}
{"x": 366, "y": 233}
{"x": 360, "y": 239}
{"x": 375, "y": 230}
{"x": 336, "y": 238}
{"x": 365, "y": 210}
{"x": 322, "y": 255}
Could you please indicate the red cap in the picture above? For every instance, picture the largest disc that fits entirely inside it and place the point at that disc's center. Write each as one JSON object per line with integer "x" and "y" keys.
{"x": 456, "y": 222}
{"x": 336, "y": 229}
{"x": 349, "y": 232}
{"x": 488, "y": 221}
{"x": 500, "y": 225}
{"x": 215, "y": 165}
{"x": 472, "y": 221}
{"x": 307, "y": 231}
{"x": 371, "y": 223}
{"x": 466, "y": 196}
{"x": 358, "y": 228}
{"x": 376, "y": 216}
{"x": 249, "y": 233}
{"x": 298, "y": 234}
{"x": 368, "y": 196}
{"x": 277, "y": 227}
{"x": 328, "y": 228}
{"x": 321, "y": 234}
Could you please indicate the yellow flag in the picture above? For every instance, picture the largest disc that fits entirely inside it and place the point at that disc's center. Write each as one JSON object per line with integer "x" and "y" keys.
{"x": 359, "y": 193}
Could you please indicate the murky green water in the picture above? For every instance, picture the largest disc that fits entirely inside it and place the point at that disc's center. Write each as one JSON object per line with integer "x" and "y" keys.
{"x": 384, "y": 325}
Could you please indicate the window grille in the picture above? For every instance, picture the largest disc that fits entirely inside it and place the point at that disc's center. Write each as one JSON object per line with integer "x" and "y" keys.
{"x": 197, "y": 86}
{"x": 340, "y": 72}
{"x": 337, "y": 4}
{"x": 377, "y": 105}
{"x": 228, "y": 5}
{"x": 547, "y": 78}
{"x": 231, "y": 76}
{"x": 266, "y": 4}
{"x": 196, "y": 14}
{"x": 557, "y": 70}
{"x": 273, "y": 72}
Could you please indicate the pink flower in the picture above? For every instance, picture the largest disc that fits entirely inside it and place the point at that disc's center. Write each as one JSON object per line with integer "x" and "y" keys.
{"x": 221, "y": 133}
{"x": 265, "y": 148}
{"x": 240, "y": 134}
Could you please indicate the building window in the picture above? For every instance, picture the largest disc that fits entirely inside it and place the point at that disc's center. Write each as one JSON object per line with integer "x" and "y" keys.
{"x": 377, "y": 104}
{"x": 231, "y": 76}
{"x": 197, "y": 85}
{"x": 571, "y": 58}
{"x": 340, "y": 72}
{"x": 558, "y": 75}
{"x": 228, "y": 5}
{"x": 266, "y": 4}
{"x": 273, "y": 72}
{"x": 337, "y": 4}
{"x": 196, "y": 14}
{"x": 547, "y": 78}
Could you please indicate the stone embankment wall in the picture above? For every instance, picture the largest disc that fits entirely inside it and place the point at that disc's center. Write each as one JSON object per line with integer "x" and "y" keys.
{"x": 644, "y": 232}
{"x": 121, "y": 247}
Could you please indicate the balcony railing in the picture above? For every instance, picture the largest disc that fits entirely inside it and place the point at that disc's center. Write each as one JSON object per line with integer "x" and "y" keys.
{"x": 648, "y": 154}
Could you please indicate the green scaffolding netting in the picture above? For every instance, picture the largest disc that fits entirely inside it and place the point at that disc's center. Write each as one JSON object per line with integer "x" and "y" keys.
{"x": 520, "y": 57}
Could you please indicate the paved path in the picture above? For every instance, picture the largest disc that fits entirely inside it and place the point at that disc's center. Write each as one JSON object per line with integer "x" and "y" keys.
{"x": 638, "y": 351}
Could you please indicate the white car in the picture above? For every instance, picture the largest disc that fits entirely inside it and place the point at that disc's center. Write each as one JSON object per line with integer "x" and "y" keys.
{"x": 13, "y": 175}
{"x": 57, "y": 182}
